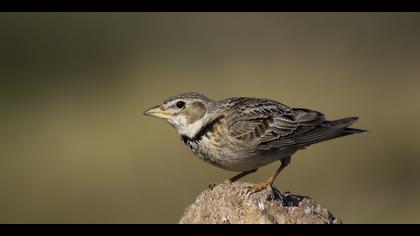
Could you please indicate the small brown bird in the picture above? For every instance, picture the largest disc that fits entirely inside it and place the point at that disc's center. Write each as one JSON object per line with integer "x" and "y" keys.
{"x": 243, "y": 134}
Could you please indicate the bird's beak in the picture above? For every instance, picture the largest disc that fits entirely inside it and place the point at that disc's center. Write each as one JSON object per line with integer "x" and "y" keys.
{"x": 157, "y": 112}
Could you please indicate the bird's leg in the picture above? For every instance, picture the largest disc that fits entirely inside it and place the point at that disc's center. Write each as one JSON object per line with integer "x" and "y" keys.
{"x": 240, "y": 175}
{"x": 270, "y": 181}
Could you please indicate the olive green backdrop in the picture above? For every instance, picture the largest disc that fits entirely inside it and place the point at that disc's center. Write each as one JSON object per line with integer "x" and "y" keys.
{"x": 75, "y": 147}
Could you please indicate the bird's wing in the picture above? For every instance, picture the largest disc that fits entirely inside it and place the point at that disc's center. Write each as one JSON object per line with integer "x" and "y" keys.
{"x": 270, "y": 124}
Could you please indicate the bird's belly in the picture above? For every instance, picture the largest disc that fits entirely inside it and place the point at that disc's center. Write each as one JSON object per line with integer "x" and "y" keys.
{"x": 234, "y": 159}
{"x": 247, "y": 162}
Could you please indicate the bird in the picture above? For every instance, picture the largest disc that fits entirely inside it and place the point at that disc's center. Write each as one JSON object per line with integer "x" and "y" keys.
{"x": 243, "y": 134}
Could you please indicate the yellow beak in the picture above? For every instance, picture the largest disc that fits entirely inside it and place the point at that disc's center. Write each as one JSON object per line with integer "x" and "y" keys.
{"x": 157, "y": 112}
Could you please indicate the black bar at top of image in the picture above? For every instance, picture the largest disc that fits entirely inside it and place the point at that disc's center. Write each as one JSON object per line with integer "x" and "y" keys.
{"x": 209, "y": 5}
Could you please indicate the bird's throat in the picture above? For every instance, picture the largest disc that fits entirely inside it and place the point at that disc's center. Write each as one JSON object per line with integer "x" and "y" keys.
{"x": 201, "y": 131}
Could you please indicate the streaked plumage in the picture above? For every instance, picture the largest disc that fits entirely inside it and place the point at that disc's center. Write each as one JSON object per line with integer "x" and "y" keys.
{"x": 243, "y": 133}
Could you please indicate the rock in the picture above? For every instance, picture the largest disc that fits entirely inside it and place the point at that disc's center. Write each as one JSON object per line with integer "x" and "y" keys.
{"x": 232, "y": 204}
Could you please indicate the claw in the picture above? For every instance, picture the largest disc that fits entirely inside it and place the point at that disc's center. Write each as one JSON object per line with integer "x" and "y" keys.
{"x": 248, "y": 191}
{"x": 258, "y": 188}
{"x": 261, "y": 186}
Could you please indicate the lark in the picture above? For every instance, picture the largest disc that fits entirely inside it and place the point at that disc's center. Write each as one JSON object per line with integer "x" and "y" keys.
{"x": 243, "y": 134}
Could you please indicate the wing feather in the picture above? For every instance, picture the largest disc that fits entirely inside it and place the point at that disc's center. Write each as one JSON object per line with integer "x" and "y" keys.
{"x": 263, "y": 122}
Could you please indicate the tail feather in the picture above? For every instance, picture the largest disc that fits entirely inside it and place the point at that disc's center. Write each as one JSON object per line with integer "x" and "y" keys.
{"x": 343, "y": 122}
{"x": 330, "y": 130}
{"x": 346, "y": 122}
{"x": 353, "y": 131}
{"x": 326, "y": 131}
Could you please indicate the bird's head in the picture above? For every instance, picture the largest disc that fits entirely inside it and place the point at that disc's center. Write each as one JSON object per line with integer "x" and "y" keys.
{"x": 187, "y": 112}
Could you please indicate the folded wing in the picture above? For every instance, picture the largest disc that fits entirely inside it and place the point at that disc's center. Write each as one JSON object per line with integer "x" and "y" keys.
{"x": 271, "y": 125}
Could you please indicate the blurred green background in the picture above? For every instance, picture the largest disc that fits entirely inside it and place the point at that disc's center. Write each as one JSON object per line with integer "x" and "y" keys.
{"x": 75, "y": 147}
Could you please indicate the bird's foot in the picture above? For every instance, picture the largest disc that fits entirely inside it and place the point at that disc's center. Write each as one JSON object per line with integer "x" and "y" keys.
{"x": 261, "y": 186}
{"x": 258, "y": 188}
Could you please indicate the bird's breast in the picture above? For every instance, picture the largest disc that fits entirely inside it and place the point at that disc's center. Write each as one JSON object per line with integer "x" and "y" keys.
{"x": 219, "y": 149}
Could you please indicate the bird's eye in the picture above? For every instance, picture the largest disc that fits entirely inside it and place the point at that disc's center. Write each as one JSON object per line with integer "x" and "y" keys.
{"x": 180, "y": 104}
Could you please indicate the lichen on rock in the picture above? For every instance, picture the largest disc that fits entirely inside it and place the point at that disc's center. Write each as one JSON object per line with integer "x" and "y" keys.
{"x": 233, "y": 204}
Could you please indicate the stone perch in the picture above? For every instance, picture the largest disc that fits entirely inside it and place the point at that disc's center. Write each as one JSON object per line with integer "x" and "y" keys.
{"x": 231, "y": 204}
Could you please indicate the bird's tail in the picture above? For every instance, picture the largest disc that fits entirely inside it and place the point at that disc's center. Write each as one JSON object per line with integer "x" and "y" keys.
{"x": 343, "y": 125}
{"x": 330, "y": 130}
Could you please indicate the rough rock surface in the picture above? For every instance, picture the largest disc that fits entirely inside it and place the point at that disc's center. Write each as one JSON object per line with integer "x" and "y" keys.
{"x": 232, "y": 204}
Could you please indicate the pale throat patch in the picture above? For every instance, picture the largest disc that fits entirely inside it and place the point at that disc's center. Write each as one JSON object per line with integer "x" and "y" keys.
{"x": 191, "y": 129}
